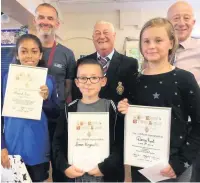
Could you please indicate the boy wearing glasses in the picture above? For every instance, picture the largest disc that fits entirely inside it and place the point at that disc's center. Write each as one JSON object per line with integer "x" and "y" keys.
{"x": 90, "y": 79}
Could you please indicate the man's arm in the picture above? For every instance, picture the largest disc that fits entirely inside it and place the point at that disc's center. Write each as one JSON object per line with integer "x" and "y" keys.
{"x": 60, "y": 143}
{"x": 70, "y": 75}
{"x": 131, "y": 77}
{"x": 68, "y": 90}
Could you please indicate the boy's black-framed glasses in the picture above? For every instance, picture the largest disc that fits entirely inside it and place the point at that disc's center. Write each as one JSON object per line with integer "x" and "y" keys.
{"x": 93, "y": 79}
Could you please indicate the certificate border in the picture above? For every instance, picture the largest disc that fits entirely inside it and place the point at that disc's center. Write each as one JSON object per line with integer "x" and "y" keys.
{"x": 27, "y": 67}
{"x": 169, "y": 131}
{"x": 70, "y": 159}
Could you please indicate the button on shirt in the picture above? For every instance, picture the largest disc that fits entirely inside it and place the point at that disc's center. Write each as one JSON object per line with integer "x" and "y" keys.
{"x": 188, "y": 57}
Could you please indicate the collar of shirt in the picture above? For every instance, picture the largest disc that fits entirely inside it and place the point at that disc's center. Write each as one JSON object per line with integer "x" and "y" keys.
{"x": 109, "y": 56}
{"x": 190, "y": 43}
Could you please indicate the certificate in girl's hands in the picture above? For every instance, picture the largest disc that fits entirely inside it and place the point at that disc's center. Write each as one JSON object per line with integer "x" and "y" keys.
{"x": 147, "y": 135}
{"x": 88, "y": 139}
{"x": 22, "y": 98}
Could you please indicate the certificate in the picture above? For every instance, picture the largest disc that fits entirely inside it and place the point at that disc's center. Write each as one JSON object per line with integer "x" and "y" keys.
{"x": 88, "y": 139}
{"x": 22, "y": 98}
{"x": 147, "y": 135}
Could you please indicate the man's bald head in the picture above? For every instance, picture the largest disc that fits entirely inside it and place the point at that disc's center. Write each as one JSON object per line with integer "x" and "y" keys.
{"x": 179, "y": 6}
{"x": 181, "y": 16}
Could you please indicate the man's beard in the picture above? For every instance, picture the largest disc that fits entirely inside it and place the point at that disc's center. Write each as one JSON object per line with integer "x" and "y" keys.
{"x": 45, "y": 34}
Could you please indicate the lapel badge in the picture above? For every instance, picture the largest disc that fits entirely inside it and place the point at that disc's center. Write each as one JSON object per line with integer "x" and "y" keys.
{"x": 120, "y": 88}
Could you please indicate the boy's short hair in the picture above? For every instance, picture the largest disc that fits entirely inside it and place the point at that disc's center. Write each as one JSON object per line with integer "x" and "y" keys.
{"x": 90, "y": 62}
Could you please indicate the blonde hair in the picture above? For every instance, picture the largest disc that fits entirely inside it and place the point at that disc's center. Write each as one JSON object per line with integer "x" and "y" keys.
{"x": 161, "y": 22}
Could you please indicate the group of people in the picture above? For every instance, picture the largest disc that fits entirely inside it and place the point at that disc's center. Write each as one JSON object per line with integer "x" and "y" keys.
{"x": 107, "y": 81}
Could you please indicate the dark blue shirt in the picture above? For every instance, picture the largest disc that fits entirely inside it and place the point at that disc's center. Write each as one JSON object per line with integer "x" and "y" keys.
{"x": 62, "y": 68}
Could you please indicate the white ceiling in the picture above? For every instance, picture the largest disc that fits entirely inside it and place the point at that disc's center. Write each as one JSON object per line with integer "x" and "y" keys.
{"x": 101, "y": 1}
{"x": 73, "y": 6}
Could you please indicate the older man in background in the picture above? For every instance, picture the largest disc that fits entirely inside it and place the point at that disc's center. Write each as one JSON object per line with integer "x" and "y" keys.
{"x": 187, "y": 56}
{"x": 119, "y": 69}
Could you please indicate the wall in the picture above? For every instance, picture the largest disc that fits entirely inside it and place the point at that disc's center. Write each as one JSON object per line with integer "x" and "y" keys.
{"x": 12, "y": 24}
{"x": 79, "y": 28}
{"x": 196, "y": 31}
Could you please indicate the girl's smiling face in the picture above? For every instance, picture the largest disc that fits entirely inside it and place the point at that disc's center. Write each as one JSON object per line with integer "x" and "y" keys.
{"x": 28, "y": 53}
{"x": 156, "y": 44}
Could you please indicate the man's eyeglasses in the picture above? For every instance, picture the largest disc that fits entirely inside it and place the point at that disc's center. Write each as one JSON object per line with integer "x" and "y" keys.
{"x": 93, "y": 79}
